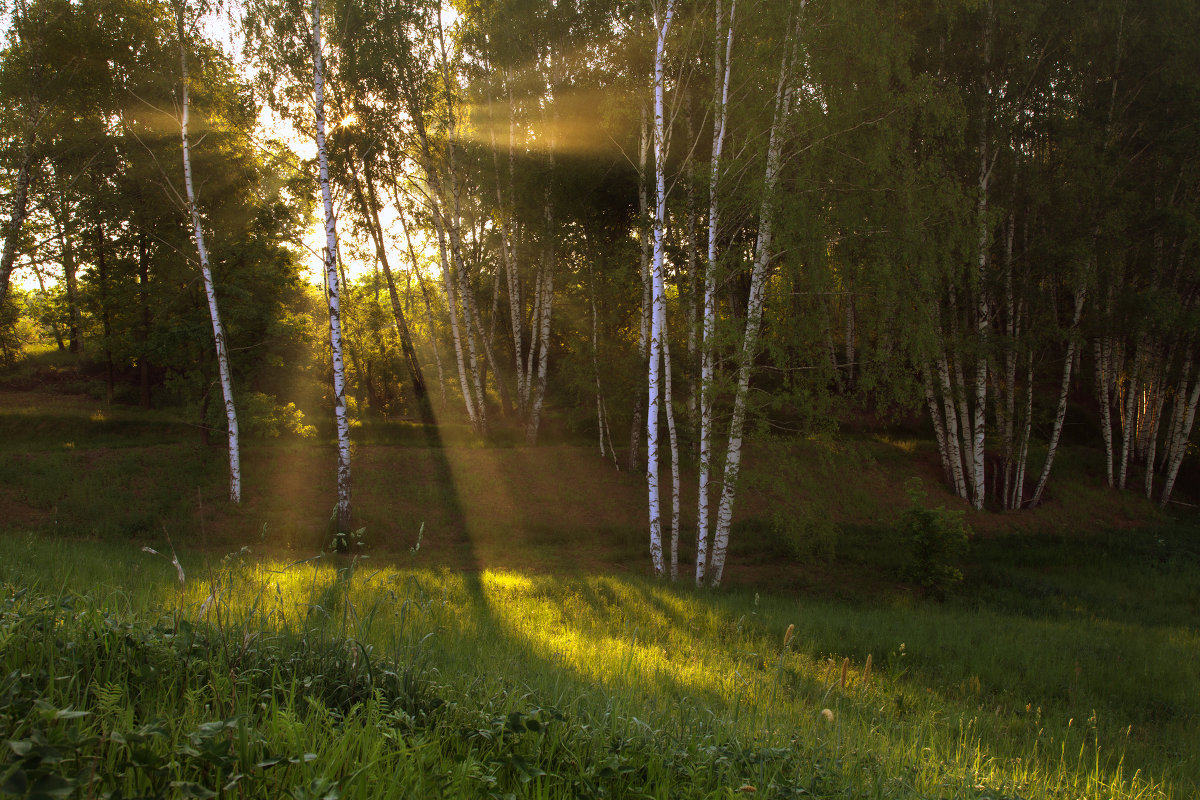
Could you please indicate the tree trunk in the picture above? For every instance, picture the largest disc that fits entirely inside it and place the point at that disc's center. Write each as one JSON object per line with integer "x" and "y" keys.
{"x": 953, "y": 442}
{"x": 1061, "y": 414}
{"x": 105, "y": 314}
{"x": 331, "y": 277}
{"x": 939, "y": 428}
{"x": 20, "y": 190}
{"x": 1101, "y": 356}
{"x": 1182, "y": 431}
{"x": 369, "y": 204}
{"x": 543, "y": 333}
{"x": 754, "y": 304}
{"x": 1018, "y": 490}
{"x": 144, "y": 300}
{"x": 644, "y": 272}
{"x": 658, "y": 314}
{"x": 721, "y": 98}
{"x": 429, "y": 320}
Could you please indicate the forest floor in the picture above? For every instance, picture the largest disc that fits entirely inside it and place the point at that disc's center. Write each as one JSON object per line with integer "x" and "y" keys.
{"x": 504, "y": 638}
{"x": 815, "y": 515}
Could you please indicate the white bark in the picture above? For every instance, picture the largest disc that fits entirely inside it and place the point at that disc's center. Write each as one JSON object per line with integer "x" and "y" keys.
{"x": 541, "y": 333}
{"x": 543, "y": 338}
{"x": 1129, "y": 417}
{"x": 657, "y": 295}
{"x": 722, "y": 71}
{"x": 235, "y": 458}
{"x": 1008, "y": 421}
{"x": 508, "y": 248}
{"x": 953, "y": 452}
{"x": 1181, "y": 433}
{"x": 669, "y": 405}
{"x": 849, "y": 343}
{"x": 437, "y": 355}
{"x": 455, "y": 332}
{"x": 939, "y": 428}
{"x": 1061, "y": 414}
{"x": 644, "y": 271}
{"x": 966, "y": 446}
{"x": 331, "y": 278}
{"x": 1018, "y": 489}
{"x": 1101, "y": 355}
{"x": 981, "y": 367}
{"x": 762, "y": 257}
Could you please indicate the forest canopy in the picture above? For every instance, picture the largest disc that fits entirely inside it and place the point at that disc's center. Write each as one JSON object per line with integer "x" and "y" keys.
{"x": 771, "y": 214}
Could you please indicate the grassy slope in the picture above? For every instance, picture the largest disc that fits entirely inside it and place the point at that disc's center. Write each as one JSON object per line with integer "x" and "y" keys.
{"x": 1071, "y": 649}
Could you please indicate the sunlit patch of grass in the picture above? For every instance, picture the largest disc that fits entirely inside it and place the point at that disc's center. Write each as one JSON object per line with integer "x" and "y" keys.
{"x": 697, "y": 693}
{"x": 905, "y": 445}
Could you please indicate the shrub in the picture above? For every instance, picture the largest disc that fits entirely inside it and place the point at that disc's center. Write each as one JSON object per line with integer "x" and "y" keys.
{"x": 260, "y": 416}
{"x": 936, "y": 539}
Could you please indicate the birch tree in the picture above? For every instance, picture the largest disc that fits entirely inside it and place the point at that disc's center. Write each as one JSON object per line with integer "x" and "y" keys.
{"x": 231, "y": 421}
{"x": 658, "y": 316}
{"x": 332, "y": 283}
{"x": 722, "y": 68}
{"x": 785, "y": 93}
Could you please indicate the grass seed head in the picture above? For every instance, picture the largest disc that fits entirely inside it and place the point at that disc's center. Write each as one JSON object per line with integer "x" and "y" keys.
{"x": 787, "y": 636}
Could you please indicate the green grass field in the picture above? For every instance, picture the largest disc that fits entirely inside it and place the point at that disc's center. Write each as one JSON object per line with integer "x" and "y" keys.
{"x": 499, "y": 635}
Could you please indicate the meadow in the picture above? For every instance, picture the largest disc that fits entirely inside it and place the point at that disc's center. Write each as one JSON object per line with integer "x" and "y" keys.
{"x": 498, "y": 635}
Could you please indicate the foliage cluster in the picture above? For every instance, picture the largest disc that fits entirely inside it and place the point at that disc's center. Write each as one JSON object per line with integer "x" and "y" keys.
{"x": 937, "y": 538}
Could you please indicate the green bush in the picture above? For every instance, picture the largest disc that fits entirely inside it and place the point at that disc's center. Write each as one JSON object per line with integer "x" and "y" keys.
{"x": 260, "y": 416}
{"x": 936, "y": 538}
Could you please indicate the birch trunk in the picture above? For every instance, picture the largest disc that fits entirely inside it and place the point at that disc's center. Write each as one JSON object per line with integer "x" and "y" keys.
{"x": 657, "y": 295}
{"x": 543, "y": 338}
{"x": 1129, "y": 417}
{"x": 939, "y": 428}
{"x": 416, "y": 266}
{"x": 468, "y": 374}
{"x": 953, "y": 453}
{"x": 644, "y": 270}
{"x": 1101, "y": 355}
{"x": 508, "y": 248}
{"x": 473, "y": 412}
{"x": 692, "y": 321}
{"x": 1061, "y": 414}
{"x": 849, "y": 343}
{"x": 754, "y": 306}
{"x": 596, "y": 362}
{"x": 331, "y": 277}
{"x": 982, "y": 301}
{"x": 669, "y": 406}
{"x": 1155, "y": 400}
{"x": 235, "y": 458}
{"x": 721, "y": 93}
{"x": 1018, "y": 490}
{"x": 981, "y": 368}
{"x": 1181, "y": 433}
{"x": 369, "y": 204}
{"x": 1008, "y": 421}
{"x": 453, "y": 224}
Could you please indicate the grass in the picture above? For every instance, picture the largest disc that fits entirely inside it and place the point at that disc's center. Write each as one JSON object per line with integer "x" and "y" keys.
{"x": 504, "y": 640}
{"x": 438, "y": 682}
